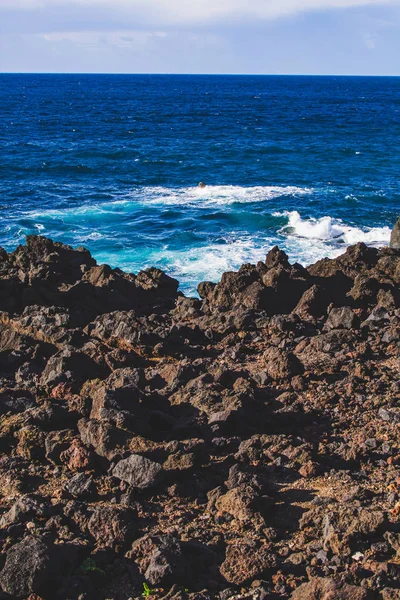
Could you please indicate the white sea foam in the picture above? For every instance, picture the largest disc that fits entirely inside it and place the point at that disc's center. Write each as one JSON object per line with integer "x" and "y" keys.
{"x": 208, "y": 263}
{"x": 219, "y": 194}
{"x": 211, "y": 195}
{"x": 332, "y": 230}
{"x": 95, "y": 235}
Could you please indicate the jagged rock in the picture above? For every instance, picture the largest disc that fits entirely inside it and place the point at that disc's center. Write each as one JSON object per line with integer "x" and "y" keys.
{"x": 31, "y": 567}
{"x": 342, "y": 318}
{"x": 276, "y": 257}
{"x": 238, "y": 502}
{"x": 323, "y": 588}
{"x": 111, "y": 525}
{"x": 341, "y": 527}
{"x": 138, "y": 471}
{"x": 56, "y": 442}
{"x": 118, "y": 396}
{"x": 111, "y": 383}
{"x": 69, "y": 366}
{"x": 245, "y": 561}
{"x": 390, "y": 594}
{"x": 313, "y": 303}
{"x": 161, "y": 560}
{"x": 24, "y": 508}
{"x": 180, "y": 461}
{"x": 106, "y": 440}
{"x": 395, "y": 236}
{"x": 15, "y": 402}
{"x": 76, "y": 456}
{"x": 364, "y": 291}
{"x": 280, "y": 364}
{"x": 31, "y": 442}
{"x": 80, "y": 486}
{"x": 377, "y": 317}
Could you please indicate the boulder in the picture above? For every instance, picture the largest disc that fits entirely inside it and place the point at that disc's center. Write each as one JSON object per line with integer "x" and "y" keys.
{"x": 69, "y": 366}
{"x": 56, "y": 442}
{"x": 80, "y": 486}
{"x": 395, "y": 236}
{"x": 15, "y": 403}
{"x": 324, "y": 588}
{"x": 106, "y": 440}
{"x": 245, "y": 561}
{"x": 26, "y": 507}
{"x": 31, "y": 567}
{"x": 280, "y": 364}
{"x": 342, "y": 318}
{"x": 111, "y": 525}
{"x": 161, "y": 560}
{"x": 238, "y": 502}
{"x": 313, "y": 303}
{"x": 138, "y": 471}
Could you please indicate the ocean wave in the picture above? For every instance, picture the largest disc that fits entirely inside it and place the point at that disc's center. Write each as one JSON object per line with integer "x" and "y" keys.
{"x": 195, "y": 197}
{"x": 329, "y": 229}
{"x": 212, "y": 195}
{"x": 207, "y": 263}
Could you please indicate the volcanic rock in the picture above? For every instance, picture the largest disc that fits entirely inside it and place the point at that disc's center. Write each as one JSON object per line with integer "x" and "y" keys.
{"x": 31, "y": 567}
{"x": 138, "y": 471}
{"x": 395, "y": 236}
{"x": 240, "y": 445}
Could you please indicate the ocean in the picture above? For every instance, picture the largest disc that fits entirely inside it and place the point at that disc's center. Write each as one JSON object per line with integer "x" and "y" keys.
{"x": 113, "y": 162}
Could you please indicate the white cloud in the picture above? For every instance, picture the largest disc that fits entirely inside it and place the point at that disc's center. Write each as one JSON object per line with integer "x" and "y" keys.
{"x": 178, "y": 12}
{"x": 93, "y": 39}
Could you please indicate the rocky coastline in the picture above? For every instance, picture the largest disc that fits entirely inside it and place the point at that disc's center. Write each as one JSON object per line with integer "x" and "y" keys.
{"x": 244, "y": 445}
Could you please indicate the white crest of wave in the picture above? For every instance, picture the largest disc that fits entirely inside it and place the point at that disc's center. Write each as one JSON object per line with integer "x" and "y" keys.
{"x": 330, "y": 229}
{"x": 220, "y": 194}
{"x": 196, "y": 197}
{"x": 211, "y": 261}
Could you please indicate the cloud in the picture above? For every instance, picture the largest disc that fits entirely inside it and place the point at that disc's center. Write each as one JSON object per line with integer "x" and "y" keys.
{"x": 94, "y": 39}
{"x": 204, "y": 36}
{"x": 184, "y": 12}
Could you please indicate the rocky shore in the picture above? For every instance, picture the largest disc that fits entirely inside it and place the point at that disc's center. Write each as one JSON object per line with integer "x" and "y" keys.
{"x": 241, "y": 445}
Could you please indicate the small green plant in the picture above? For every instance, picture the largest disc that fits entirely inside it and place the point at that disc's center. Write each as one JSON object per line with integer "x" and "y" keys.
{"x": 89, "y": 566}
{"x": 147, "y": 591}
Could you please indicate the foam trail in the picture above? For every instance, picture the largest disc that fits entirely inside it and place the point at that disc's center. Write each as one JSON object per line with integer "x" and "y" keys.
{"x": 208, "y": 263}
{"x": 221, "y": 194}
{"x": 332, "y": 230}
{"x": 212, "y": 195}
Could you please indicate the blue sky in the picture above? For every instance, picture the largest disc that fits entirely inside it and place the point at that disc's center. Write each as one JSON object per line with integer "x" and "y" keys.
{"x": 201, "y": 36}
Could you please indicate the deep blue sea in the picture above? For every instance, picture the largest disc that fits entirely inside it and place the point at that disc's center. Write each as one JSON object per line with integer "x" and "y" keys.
{"x": 112, "y": 162}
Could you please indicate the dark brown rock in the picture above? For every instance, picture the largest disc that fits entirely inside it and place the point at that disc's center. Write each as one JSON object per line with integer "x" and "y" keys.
{"x": 280, "y": 364}
{"x": 321, "y": 588}
{"x": 245, "y": 561}
{"x": 342, "y": 318}
{"x": 250, "y": 437}
{"x": 111, "y": 525}
{"x": 31, "y": 567}
{"x": 138, "y": 471}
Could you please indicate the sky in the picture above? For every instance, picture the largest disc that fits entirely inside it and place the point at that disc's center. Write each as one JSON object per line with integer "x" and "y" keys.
{"x": 349, "y": 37}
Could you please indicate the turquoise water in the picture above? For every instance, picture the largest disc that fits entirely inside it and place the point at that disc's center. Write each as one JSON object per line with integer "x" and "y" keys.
{"x": 113, "y": 162}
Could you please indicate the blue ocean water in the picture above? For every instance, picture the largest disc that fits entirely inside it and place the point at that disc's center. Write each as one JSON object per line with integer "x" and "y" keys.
{"x": 112, "y": 162}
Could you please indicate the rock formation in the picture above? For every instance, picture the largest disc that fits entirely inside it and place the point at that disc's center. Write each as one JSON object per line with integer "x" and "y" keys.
{"x": 395, "y": 236}
{"x": 244, "y": 445}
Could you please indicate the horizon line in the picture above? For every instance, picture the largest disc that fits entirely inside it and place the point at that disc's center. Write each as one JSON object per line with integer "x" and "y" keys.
{"x": 198, "y": 74}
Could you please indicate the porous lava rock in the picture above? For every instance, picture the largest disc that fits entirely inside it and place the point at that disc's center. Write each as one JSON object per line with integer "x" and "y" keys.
{"x": 240, "y": 445}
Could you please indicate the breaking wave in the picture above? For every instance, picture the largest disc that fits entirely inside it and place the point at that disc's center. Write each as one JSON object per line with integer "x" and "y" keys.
{"x": 330, "y": 229}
